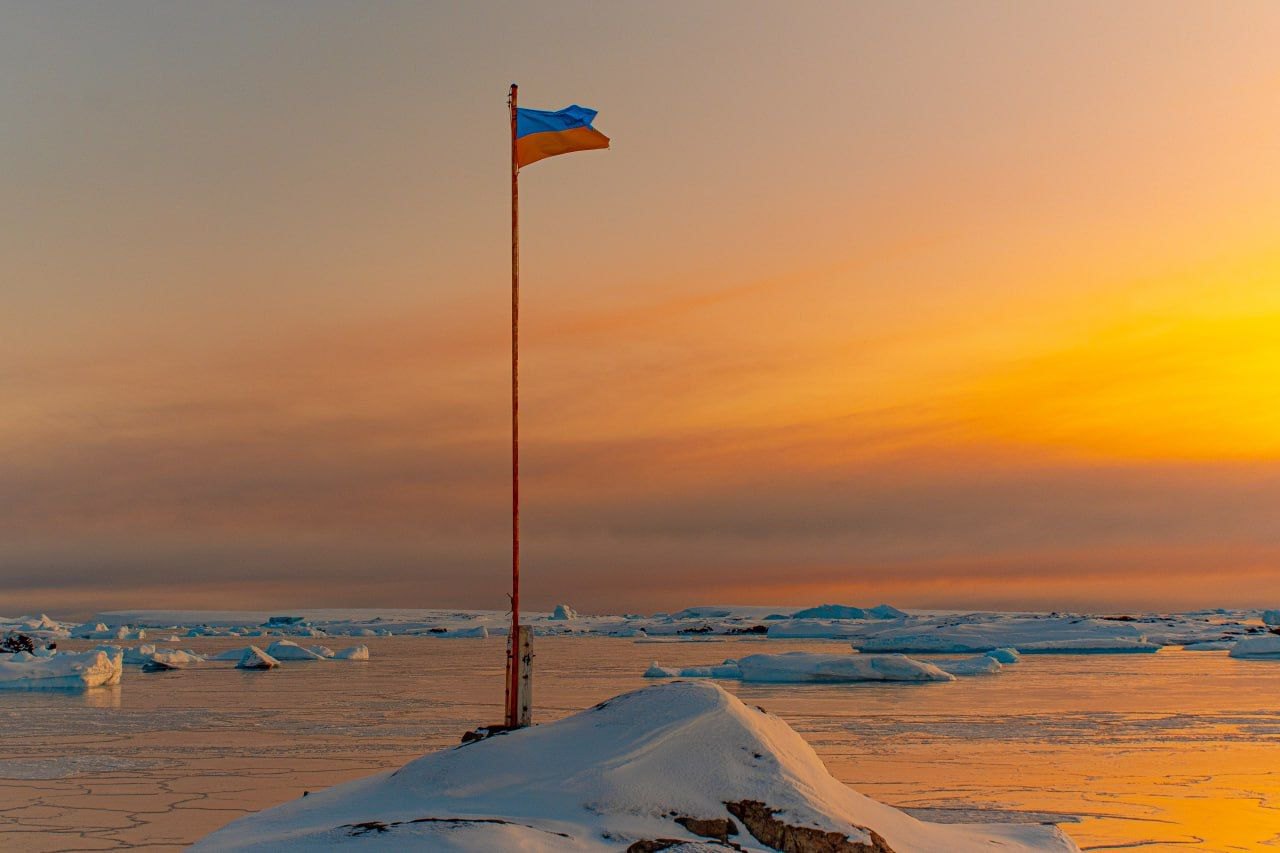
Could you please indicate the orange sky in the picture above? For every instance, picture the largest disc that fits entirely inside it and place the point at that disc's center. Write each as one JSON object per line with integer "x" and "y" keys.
{"x": 972, "y": 304}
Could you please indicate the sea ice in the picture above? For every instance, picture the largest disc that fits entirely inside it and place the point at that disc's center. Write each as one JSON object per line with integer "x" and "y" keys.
{"x": 684, "y": 761}
{"x": 1261, "y": 646}
{"x": 979, "y": 665}
{"x": 1005, "y": 655}
{"x": 1089, "y": 646}
{"x": 807, "y": 666}
{"x": 65, "y": 670}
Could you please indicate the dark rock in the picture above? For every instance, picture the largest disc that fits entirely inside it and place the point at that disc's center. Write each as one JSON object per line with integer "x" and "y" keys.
{"x": 719, "y": 828}
{"x": 759, "y": 820}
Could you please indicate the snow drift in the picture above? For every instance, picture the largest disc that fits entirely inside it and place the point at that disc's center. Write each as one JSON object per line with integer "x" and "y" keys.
{"x": 676, "y": 763}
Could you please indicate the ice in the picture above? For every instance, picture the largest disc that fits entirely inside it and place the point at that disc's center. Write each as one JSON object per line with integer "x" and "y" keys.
{"x": 627, "y": 771}
{"x": 256, "y": 658}
{"x": 801, "y": 629}
{"x": 323, "y": 651}
{"x": 655, "y": 671}
{"x": 1269, "y": 617}
{"x": 831, "y": 611}
{"x": 1005, "y": 655}
{"x": 61, "y": 671}
{"x": 283, "y": 650}
{"x": 563, "y": 612}
{"x": 810, "y": 667}
{"x": 985, "y": 632}
{"x": 1261, "y": 646}
{"x": 1210, "y": 646}
{"x": 980, "y": 665}
{"x": 165, "y": 659}
{"x": 1089, "y": 646}
{"x": 353, "y": 653}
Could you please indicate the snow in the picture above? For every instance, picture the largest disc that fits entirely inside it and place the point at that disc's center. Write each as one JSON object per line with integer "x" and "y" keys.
{"x": 1210, "y": 646}
{"x": 1261, "y": 646}
{"x": 1269, "y": 617}
{"x": 289, "y": 650}
{"x": 810, "y": 667}
{"x": 256, "y": 658}
{"x": 61, "y": 671}
{"x": 980, "y": 665}
{"x": 1005, "y": 655}
{"x": 360, "y": 652}
{"x": 831, "y": 611}
{"x": 605, "y": 778}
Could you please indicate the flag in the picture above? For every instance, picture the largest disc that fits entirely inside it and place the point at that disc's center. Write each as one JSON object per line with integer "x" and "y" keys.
{"x": 543, "y": 133}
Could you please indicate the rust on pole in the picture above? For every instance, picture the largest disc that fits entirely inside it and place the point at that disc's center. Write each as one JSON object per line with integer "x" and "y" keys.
{"x": 513, "y": 691}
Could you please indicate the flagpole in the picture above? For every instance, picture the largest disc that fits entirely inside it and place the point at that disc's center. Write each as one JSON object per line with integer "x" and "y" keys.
{"x": 513, "y": 669}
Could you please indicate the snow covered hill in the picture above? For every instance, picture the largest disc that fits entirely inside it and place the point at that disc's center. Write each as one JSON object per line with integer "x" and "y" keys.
{"x": 681, "y": 766}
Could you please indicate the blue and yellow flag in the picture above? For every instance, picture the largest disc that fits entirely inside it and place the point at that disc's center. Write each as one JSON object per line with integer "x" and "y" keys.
{"x": 543, "y": 133}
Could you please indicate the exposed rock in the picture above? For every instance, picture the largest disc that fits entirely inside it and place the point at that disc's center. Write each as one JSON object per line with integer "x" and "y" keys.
{"x": 719, "y": 828}
{"x": 768, "y": 830}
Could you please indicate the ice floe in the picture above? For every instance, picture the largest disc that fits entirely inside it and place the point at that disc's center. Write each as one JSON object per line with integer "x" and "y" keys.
{"x": 979, "y": 665}
{"x": 60, "y": 671}
{"x": 353, "y": 653}
{"x": 685, "y": 762}
{"x": 1261, "y": 646}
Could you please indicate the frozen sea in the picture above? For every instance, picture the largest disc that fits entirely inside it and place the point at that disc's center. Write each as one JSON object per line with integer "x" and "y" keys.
{"x": 1169, "y": 751}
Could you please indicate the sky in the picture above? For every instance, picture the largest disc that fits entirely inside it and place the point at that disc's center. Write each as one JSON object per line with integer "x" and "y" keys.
{"x": 940, "y": 304}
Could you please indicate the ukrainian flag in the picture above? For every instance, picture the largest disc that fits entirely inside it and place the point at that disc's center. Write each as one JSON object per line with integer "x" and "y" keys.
{"x": 543, "y": 133}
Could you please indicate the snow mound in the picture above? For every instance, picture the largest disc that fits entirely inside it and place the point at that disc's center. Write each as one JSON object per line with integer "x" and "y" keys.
{"x": 980, "y": 665}
{"x": 289, "y": 650}
{"x": 667, "y": 762}
{"x": 256, "y": 658}
{"x": 809, "y": 667}
{"x": 63, "y": 671}
{"x": 360, "y": 652}
{"x": 1005, "y": 655}
{"x": 1263, "y": 646}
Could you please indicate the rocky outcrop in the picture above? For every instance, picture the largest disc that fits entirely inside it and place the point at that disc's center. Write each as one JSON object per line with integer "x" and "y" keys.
{"x": 759, "y": 820}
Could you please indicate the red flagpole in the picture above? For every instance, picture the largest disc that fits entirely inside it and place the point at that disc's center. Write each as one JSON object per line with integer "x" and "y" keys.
{"x": 513, "y": 669}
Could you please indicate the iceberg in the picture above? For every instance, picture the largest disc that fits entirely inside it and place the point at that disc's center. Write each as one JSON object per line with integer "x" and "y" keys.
{"x": 289, "y": 650}
{"x": 679, "y": 766}
{"x": 61, "y": 671}
{"x": 831, "y": 611}
{"x": 792, "y": 667}
{"x": 1261, "y": 646}
{"x": 563, "y": 613}
{"x": 256, "y": 658}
